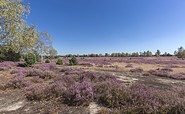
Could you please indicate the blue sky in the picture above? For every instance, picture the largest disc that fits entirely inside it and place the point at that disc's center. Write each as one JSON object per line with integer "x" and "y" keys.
{"x": 106, "y": 26}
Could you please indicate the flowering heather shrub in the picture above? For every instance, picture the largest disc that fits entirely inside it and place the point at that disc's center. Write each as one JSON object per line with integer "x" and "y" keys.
{"x": 180, "y": 76}
{"x": 159, "y": 72}
{"x": 129, "y": 66}
{"x": 110, "y": 94}
{"x": 146, "y": 74}
{"x": 36, "y": 80}
{"x": 167, "y": 69}
{"x": 79, "y": 93}
{"x": 97, "y": 77}
{"x": 35, "y": 72}
{"x": 19, "y": 70}
{"x": 64, "y": 69}
{"x": 166, "y": 73}
{"x": 136, "y": 70}
{"x": 6, "y": 65}
{"x": 144, "y": 99}
{"x": 86, "y": 64}
{"x": 17, "y": 82}
{"x": 42, "y": 74}
{"x": 45, "y": 66}
{"x": 36, "y": 92}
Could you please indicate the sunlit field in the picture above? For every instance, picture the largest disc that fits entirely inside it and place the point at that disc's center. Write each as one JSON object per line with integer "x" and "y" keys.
{"x": 92, "y": 57}
{"x": 102, "y": 85}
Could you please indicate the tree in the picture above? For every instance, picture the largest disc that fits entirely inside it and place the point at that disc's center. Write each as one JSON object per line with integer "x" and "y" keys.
{"x": 16, "y": 35}
{"x": 148, "y": 54}
{"x": 12, "y": 23}
{"x": 158, "y": 53}
{"x": 73, "y": 61}
{"x": 52, "y": 52}
{"x": 180, "y": 52}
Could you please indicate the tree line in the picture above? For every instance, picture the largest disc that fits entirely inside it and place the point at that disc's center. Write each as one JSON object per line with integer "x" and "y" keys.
{"x": 135, "y": 54}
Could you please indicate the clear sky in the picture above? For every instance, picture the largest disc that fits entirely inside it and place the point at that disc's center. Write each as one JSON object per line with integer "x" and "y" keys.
{"x": 106, "y": 26}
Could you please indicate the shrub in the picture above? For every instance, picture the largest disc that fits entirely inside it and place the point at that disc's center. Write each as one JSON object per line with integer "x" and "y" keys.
{"x": 9, "y": 55}
{"x": 73, "y": 61}
{"x": 6, "y": 65}
{"x": 79, "y": 93}
{"x": 36, "y": 92}
{"x": 167, "y": 69}
{"x": 129, "y": 66}
{"x": 180, "y": 76}
{"x": 30, "y": 59}
{"x": 47, "y": 61}
{"x": 44, "y": 74}
{"x": 136, "y": 70}
{"x": 16, "y": 82}
{"x": 110, "y": 94}
{"x": 59, "y": 62}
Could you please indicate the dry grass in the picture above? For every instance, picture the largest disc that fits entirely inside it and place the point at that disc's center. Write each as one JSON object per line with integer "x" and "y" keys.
{"x": 5, "y": 76}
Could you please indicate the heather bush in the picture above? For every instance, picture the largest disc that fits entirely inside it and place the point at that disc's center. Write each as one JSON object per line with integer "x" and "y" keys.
{"x": 136, "y": 70}
{"x": 180, "y": 76}
{"x": 73, "y": 61}
{"x": 86, "y": 64}
{"x": 47, "y": 61}
{"x": 110, "y": 94}
{"x": 36, "y": 80}
{"x": 36, "y": 92}
{"x": 166, "y": 73}
{"x": 44, "y": 74}
{"x": 59, "y": 62}
{"x": 79, "y": 93}
{"x": 167, "y": 69}
{"x": 6, "y": 65}
{"x": 35, "y": 72}
{"x": 17, "y": 82}
{"x": 65, "y": 69}
{"x": 129, "y": 66}
{"x": 158, "y": 72}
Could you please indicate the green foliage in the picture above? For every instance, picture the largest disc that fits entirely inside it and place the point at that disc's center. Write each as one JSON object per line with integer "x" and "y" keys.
{"x": 180, "y": 53}
{"x": 30, "y": 59}
{"x": 9, "y": 54}
{"x": 59, "y": 62}
{"x": 158, "y": 53}
{"x": 73, "y": 61}
{"x": 12, "y": 13}
{"x": 47, "y": 61}
{"x": 52, "y": 53}
{"x": 17, "y": 35}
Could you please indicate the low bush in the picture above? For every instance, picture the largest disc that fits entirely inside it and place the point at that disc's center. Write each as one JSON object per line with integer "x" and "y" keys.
{"x": 136, "y": 70}
{"x": 16, "y": 82}
{"x": 129, "y": 66}
{"x": 47, "y": 61}
{"x": 44, "y": 74}
{"x": 9, "y": 55}
{"x": 59, "y": 62}
{"x": 30, "y": 59}
{"x": 180, "y": 76}
{"x": 73, "y": 61}
{"x": 79, "y": 93}
{"x": 110, "y": 94}
{"x": 36, "y": 92}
